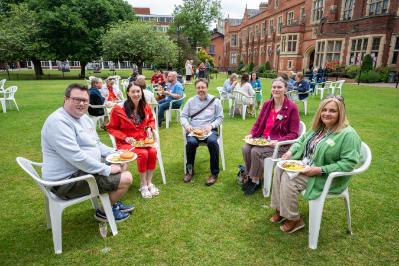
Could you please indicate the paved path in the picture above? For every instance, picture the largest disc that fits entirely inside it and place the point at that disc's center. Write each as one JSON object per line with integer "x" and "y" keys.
{"x": 379, "y": 84}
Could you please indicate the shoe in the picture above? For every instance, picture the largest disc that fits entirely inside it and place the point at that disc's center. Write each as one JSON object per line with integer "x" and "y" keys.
{"x": 153, "y": 190}
{"x": 277, "y": 218}
{"x": 251, "y": 188}
{"x": 122, "y": 207}
{"x": 291, "y": 226}
{"x": 211, "y": 180}
{"x": 246, "y": 183}
{"x": 118, "y": 215}
{"x": 189, "y": 174}
{"x": 145, "y": 193}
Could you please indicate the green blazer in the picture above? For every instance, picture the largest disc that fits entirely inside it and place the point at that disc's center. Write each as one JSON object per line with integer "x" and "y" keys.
{"x": 340, "y": 152}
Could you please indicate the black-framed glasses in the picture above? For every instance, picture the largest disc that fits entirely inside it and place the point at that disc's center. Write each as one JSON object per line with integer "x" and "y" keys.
{"x": 77, "y": 100}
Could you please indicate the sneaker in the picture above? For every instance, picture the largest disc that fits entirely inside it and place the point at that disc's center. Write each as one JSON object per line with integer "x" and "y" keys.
{"x": 122, "y": 207}
{"x": 118, "y": 215}
{"x": 251, "y": 188}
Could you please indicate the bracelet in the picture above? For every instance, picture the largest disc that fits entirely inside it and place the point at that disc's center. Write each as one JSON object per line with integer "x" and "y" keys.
{"x": 145, "y": 129}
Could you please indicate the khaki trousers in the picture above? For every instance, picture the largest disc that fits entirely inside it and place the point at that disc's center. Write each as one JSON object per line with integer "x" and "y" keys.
{"x": 285, "y": 193}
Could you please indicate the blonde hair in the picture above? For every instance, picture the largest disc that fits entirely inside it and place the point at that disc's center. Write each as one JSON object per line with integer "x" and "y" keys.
{"x": 342, "y": 119}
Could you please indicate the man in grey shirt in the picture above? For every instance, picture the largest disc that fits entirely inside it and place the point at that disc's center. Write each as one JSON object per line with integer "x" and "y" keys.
{"x": 205, "y": 112}
{"x": 71, "y": 148}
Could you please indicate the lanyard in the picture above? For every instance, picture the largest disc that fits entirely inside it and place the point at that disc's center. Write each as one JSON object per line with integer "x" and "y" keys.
{"x": 312, "y": 143}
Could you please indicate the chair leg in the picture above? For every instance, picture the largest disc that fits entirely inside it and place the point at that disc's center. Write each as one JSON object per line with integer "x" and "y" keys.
{"x": 16, "y": 105}
{"x": 315, "y": 214}
{"x": 167, "y": 117}
{"x": 348, "y": 213}
{"x": 47, "y": 210}
{"x": 94, "y": 203}
{"x": 321, "y": 94}
{"x": 108, "y": 212}
{"x": 160, "y": 162}
{"x": 221, "y": 150}
{"x": 56, "y": 225}
{"x": 305, "y": 105}
{"x": 3, "y": 105}
{"x": 267, "y": 176}
{"x": 244, "y": 111}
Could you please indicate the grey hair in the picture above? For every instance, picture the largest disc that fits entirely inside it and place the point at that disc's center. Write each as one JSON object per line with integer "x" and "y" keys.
{"x": 94, "y": 81}
{"x": 281, "y": 80}
{"x": 141, "y": 77}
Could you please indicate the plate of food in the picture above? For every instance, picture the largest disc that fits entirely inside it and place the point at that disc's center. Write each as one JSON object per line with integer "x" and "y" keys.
{"x": 292, "y": 165}
{"x": 144, "y": 143}
{"x": 121, "y": 157}
{"x": 200, "y": 133}
{"x": 257, "y": 141}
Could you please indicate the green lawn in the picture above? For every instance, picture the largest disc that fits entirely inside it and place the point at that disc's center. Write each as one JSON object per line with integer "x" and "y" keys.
{"x": 195, "y": 224}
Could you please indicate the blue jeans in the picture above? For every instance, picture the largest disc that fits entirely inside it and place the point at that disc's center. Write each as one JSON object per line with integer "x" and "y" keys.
{"x": 213, "y": 148}
{"x": 163, "y": 106}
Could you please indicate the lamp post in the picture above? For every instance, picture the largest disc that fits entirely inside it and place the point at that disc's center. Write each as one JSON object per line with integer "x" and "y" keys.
{"x": 278, "y": 58}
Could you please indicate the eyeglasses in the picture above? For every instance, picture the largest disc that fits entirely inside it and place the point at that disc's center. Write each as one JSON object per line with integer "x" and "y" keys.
{"x": 338, "y": 97}
{"x": 79, "y": 100}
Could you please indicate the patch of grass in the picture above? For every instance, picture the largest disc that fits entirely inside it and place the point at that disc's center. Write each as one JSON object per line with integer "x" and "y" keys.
{"x": 192, "y": 223}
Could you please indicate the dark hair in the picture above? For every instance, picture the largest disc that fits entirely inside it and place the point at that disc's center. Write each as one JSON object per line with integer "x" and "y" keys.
{"x": 201, "y": 80}
{"x": 257, "y": 77}
{"x": 129, "y": 105}
{"x": 73, "y": 86}
{"x": 244, "y": 77}
{"x": 284, "y": 76}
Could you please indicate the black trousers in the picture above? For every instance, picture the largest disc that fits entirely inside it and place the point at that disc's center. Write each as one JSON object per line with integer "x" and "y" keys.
{"x": 213, "y": 147}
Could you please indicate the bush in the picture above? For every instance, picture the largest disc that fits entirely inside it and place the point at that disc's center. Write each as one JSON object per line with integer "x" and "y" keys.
{"x": 369, "y": 77}
{"x": 271, "y": 74}
{"x": 367, "y": 63}
{"x": 352, "y": 71}
{"x": 268, "y": 66}
{"x": 384, "y": 72}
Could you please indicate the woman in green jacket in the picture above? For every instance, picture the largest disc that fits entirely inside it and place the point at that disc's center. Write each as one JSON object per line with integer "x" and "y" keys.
{"x": 331, "y": 146}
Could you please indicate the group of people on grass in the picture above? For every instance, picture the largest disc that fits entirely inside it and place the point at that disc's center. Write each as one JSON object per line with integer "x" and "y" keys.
{"x": 71, "y": 146}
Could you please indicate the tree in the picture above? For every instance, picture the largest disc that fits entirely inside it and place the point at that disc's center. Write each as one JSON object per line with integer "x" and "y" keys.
{"x": 73, "y": 28}
{"x": 367, "y": 63}
{"x": 19, "y": 37}
{"x": 203, "y": 55}
{"x": 138, "y": 42}
{"x": 193, "y": 19}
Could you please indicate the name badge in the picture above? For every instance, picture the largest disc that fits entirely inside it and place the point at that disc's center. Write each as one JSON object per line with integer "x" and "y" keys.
{"x": 330, "y": 142}
{"x": 279, "y": 117}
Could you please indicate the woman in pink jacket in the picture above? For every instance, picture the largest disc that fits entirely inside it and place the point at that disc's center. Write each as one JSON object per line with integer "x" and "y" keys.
{"x": 277, "y": 121}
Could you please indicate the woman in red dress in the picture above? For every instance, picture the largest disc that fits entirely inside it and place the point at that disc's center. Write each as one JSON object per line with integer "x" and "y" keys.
{"x": 132, "y": 122}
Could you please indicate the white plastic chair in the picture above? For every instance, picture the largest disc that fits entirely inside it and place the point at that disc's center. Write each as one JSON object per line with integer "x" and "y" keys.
{"x": 157, "y": 147}
{"x": 316, "y": 206}
{"x": 2, "y": 96}
{"x": 323, "y": 87}
{"x": 225, "y": 96}
{"x": 155, "y": 110}
{"x": 294, "y": 96}
{"x": 220, "y": 142}
{"x": 97, "y": 119}
{"x": 337, "y": 86}
{"x": 117, "y": 80}
{"x": 240, "y": 99}
{"x": 55, "y": 206}
{"x": 168, "y": 113}
{"x": 9, "y": 96}
{"x": 2, "y": 83}
{"x": 268, "y": 163}
{"x": 91, "y": 77}
{"x": 125, "y": 83}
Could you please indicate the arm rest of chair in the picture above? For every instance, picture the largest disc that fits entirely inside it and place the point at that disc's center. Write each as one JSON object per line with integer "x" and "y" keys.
{"x": 88, "y": 178}
{"x": 280, "y": 143}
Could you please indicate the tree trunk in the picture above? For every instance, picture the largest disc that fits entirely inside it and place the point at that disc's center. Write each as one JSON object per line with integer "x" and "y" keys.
{"x": 38, "y": 68}
{"x": 140, "y": 67}
{"x": 83, "y": 69}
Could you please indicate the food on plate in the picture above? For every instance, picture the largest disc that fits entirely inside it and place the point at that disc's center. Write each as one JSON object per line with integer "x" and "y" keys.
{"x": 296, "y": 166}
{"x": 257, "y": 141}
{"x": 126, "y": 155}
{"x": 139, "y": 143}
{"x": 199, "y": 132}
{"x": 149, "y": 141}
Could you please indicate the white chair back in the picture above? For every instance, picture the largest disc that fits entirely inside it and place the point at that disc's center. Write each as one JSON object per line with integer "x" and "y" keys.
{"x": 2, "y": 83}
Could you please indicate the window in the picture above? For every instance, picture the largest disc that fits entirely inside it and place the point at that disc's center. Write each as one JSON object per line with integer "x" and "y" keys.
{"x": 317, "y": 10}
{"x": 256, "y": 31}
{"x": 233, "y": 40}
{"x": 264, "y": 29}
{"x": 290, "y": 18}
{"x": 279, "y": 24}
{"x": 358, "y": 50}
{"x": 212, "y": 49}
{"x": 302, "y": 18}
{"x": 276, "y": 3}
{"x": 289, "y": 43}
{"x": 395, "y": 52}
{"x": 375, "y": 48}
{"x": 377, "y": 7}
{"x": 233, "y": 58}
{"x": 327, "y": 51}
{"x": 347, "y": 9}
{"x": 289, "y": 65}
{"x": 271, "y": 25}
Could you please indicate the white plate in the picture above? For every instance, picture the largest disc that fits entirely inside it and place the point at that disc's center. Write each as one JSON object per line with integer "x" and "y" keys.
{"x": 200, "y": 137}
{"x": 280, "y": 164}
{"x": 249, "y": 141}
{"x": 110, "y": 157}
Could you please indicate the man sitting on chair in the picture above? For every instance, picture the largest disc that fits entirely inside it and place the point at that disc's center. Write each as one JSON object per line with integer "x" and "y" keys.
{"x": 201, "y": 117}
{"x": 72, "y": 148}
{"x": 302, "y": 86}
{"x": 174, "y": 92}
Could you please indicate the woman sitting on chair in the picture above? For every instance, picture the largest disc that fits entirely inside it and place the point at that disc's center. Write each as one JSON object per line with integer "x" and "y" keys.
{"x": 278, "y": 121}
{"x": 255, "y": 83}
{"x": 331, "y": 146}
{"x": 132, "y": 124}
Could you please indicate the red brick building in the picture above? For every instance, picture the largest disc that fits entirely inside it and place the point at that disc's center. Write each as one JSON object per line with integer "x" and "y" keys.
{"x": 216, "y": 49}
{"x": 298, "y": 34}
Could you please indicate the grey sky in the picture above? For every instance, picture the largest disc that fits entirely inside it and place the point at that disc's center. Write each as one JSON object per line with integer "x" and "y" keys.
{"x": 233, "y": 7}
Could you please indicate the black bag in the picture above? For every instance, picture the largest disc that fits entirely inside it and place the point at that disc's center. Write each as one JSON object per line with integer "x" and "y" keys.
{"x": 241, "y": 178}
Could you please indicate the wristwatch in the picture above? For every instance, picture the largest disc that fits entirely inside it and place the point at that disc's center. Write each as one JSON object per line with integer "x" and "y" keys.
{"x": 322, "y": 171}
